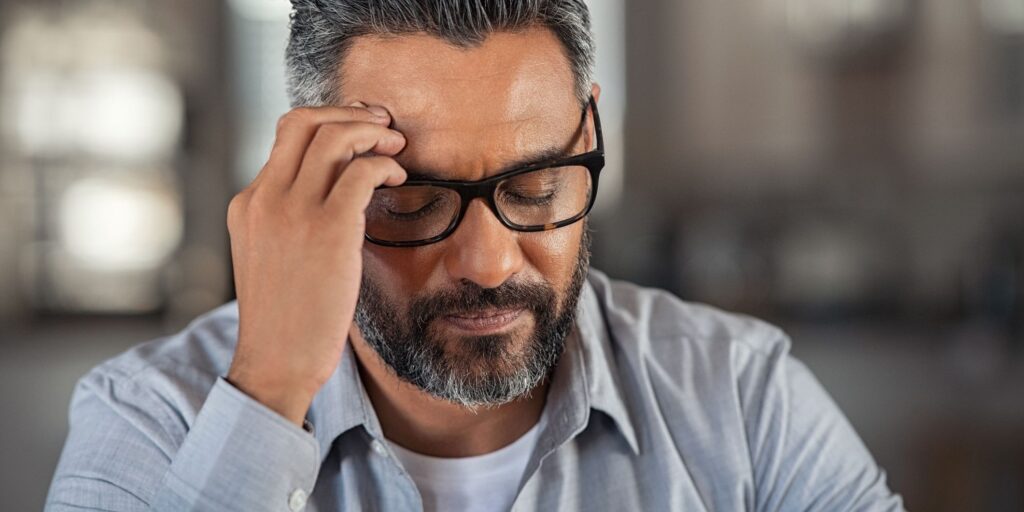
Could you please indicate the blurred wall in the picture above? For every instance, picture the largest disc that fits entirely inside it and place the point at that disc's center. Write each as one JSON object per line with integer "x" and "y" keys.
{"x": 815, "y": 158}
{"x": 115, "y": 156}
{"x": 851, "y": 170}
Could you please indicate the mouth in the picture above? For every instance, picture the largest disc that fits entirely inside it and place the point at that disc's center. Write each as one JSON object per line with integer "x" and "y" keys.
{"x": 485, "y": 321}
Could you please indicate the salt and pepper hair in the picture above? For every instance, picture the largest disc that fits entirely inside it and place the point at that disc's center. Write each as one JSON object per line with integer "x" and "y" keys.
{"x": 323, "y": 30}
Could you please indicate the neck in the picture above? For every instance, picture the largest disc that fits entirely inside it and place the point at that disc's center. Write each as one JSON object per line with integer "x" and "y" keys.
{"x": 431, "y": 426}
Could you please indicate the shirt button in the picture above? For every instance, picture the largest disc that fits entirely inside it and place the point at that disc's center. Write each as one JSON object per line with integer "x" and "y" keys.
{"x": 297, "y": 500}
{"x": 378, "y": 448}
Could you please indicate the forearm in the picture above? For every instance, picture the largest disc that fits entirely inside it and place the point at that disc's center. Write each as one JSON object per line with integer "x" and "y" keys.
{"x": 237, "y": 455}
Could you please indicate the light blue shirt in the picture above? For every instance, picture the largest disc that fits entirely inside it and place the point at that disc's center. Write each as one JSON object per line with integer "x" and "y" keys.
{"x": 656, "y": 404}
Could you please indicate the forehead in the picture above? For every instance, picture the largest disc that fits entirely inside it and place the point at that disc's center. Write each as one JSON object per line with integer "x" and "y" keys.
{"x": 467, "y": 110}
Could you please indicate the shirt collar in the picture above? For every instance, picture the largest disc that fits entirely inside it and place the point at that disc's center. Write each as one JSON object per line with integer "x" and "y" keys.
{"x": 586, "y": 378}
{"x": 599, "y": 370}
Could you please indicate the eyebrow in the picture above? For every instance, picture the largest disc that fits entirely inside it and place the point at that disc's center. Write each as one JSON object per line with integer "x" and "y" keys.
{"x": 545, "y": 155}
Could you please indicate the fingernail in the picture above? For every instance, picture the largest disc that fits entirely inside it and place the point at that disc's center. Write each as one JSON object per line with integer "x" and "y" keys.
{"x": 378, "y": 111}
{"x": 358, "y": 104}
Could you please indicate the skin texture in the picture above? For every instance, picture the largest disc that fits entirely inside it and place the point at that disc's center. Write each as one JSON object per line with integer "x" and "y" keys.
{"x": 463, "y": 113}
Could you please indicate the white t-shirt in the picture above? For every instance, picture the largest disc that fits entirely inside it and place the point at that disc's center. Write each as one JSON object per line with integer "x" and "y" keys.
{"x": 484, "y": 483}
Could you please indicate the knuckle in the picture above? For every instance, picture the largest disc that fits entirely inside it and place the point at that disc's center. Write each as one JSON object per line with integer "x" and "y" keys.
{"x": 338, "y": 136}
{"x": 331, "y": 130}
{"x": 361, "y": 168}
{"x": 248, "y": 206}
{"x": 362, "y": 173}
{"x": 330, "y": 135}
{"x": 259, "y": 201}
{"x": 356, "y": 112}
{"x": 294, "y": 117}
{"x": 237, "y": 206}
{"x": 378, "y": 164}
{"x": 236, "y": 218}
{"x": 359, "y": 113}
{"x": 360, "y": 165}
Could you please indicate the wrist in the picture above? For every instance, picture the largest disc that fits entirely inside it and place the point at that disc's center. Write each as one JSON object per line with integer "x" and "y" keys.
{"x": 290, "y": 401}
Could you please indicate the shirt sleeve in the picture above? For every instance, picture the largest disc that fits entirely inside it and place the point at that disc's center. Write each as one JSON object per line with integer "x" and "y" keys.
{"x": 806, "y": 455}
{"x": 122, "y": 454}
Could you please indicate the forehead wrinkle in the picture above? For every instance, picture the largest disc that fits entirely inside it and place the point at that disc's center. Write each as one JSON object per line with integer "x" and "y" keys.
{"x": 521, "y": 148}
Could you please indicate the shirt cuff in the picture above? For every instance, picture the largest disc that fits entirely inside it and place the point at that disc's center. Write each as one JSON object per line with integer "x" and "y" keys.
{"x": 241, "y": 455}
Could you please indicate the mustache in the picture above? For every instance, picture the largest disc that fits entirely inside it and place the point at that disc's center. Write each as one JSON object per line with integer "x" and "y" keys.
{"x": 470, "y": 297}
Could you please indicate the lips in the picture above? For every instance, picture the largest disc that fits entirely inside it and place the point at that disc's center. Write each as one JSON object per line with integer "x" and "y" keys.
{"x": 484, "y": 320}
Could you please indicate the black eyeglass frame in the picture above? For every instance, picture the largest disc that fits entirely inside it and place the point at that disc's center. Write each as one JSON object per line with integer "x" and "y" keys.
{"x": 469, "y": 190}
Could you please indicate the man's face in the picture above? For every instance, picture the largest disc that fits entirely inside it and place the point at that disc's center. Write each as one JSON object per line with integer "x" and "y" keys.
{"x": 480, "y": 317}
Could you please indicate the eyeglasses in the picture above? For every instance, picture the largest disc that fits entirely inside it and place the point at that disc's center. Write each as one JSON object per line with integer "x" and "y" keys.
{"x": 536, "y": 197}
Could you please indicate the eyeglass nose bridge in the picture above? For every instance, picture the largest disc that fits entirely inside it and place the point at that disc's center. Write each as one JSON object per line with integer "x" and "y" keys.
{"x": 481, "y": 190}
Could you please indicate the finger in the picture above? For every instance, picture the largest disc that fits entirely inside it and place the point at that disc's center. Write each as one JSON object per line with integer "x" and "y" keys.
{"x": 352, "y": 191}
{"x": 333, "y": 147}
{"x": 295, "y": 131}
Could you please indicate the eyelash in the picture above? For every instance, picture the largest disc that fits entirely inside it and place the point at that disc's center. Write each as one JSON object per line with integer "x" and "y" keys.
{"x": 418, "y": 214}
{"x": 531, "y": 201}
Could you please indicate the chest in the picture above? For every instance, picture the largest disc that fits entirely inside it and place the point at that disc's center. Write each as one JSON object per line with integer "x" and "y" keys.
{"x": 593, "y": 471}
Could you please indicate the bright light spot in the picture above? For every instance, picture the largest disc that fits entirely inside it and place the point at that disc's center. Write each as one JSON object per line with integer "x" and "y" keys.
{"x": 1005, "y": 16}
{"x": 121, "y": 115}
{"x": 134, "y": 115}
{"x": 115, "y": 226}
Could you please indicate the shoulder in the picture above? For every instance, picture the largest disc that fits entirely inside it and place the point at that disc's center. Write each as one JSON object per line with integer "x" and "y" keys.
{"x": 163, "y": 381}
{"x": 721, "y": 390}
{"x": 656, "y": 323}
{"x": 687, "y": 361}
{"x": 693, "y": 377}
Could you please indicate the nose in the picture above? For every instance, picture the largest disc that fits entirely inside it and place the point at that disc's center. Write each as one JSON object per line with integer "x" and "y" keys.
{"x": 482, "y": 250}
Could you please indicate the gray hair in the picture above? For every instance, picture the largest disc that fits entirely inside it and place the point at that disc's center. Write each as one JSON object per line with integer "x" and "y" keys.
{"x": 323, "y": 30}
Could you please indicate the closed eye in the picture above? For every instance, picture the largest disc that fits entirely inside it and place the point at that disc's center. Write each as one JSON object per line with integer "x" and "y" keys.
{"x": 418, "y": 213}
{"x": 509, "y": 196}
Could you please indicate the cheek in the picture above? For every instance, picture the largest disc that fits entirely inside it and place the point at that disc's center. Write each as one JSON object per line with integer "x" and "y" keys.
{"x": 554, "y": 253}
{"x": 401, "y": 273}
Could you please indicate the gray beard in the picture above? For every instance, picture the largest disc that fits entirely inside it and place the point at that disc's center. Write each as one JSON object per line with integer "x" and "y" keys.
{"x": 482, "y": 371}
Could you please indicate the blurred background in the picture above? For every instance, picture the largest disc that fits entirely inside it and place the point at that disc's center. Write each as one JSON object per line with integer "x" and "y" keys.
{"x": 852, "y": 170}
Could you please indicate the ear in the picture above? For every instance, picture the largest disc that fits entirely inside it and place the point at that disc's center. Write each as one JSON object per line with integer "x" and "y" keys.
{"x": 595, "y": 91}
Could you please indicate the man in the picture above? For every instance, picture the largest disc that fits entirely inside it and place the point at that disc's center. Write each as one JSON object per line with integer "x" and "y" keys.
{"x": 416, "y": 327}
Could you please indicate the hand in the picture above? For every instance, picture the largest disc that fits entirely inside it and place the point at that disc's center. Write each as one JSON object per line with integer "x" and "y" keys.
{"x": 296, "y": 241}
